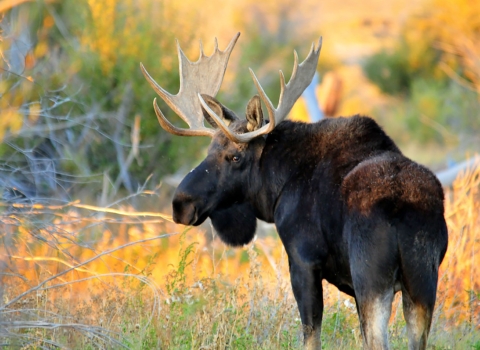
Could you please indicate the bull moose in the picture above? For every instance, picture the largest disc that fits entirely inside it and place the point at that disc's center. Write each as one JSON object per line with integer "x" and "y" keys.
{"x": 349, "y": 207}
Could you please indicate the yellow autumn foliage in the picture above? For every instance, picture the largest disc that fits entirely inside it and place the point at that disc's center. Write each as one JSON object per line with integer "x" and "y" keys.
{"x": 449, "y": 26}
{"x": 11, "y": 121}
{"x": 105, "y": 38}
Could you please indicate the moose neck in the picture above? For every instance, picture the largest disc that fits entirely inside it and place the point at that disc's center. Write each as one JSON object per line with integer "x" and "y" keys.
{"x": 289, "y": 150}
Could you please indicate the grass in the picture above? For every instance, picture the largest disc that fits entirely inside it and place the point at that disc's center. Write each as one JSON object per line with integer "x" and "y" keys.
{"x": 83, "y": 277}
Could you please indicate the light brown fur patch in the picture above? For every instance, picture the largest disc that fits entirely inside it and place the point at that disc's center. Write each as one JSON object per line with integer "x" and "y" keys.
{"x": 391, "y": 177}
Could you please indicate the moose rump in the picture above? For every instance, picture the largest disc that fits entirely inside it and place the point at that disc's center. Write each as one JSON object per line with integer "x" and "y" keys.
{"x": 348, "y": 206}
{"x": 396, "y": 237}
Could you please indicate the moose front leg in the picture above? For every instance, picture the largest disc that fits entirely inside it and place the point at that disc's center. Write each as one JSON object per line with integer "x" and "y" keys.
{"x": 307, "y": 289}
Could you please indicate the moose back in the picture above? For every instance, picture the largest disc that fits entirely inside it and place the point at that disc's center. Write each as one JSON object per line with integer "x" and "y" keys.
{"x": 349, "y": 207}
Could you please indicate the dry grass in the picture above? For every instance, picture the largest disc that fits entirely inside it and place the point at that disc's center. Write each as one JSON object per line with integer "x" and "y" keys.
{"x": 80, "y": 276}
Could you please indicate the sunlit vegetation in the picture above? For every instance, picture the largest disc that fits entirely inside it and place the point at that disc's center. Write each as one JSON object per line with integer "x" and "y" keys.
{"x": 433, "y": 71}
{"x": 88, "y": 260}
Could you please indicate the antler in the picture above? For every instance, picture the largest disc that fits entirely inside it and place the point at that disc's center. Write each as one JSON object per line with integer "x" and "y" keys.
{"x": 302, "y": 76}
{"x": 201, "y": 77}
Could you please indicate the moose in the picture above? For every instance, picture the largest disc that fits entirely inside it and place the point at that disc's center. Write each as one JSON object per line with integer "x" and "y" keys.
{"x": 348, "y": 206}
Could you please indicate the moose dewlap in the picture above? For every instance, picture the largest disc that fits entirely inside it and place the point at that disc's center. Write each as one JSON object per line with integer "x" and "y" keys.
{"x": 349, "y": 207}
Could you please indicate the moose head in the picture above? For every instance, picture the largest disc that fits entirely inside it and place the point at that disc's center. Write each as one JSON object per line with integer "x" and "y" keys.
{"x": 223, "y": 185}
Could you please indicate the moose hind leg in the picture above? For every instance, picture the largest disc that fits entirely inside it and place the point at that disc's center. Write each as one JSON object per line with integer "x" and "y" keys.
{"x": 418, "y": 317}
{"x": 421, "y": 254}
{"x": 373, "y": 277}
{"x": 374, "y": 268}
{"x": 419, "y": 289}
{"x": 374, "y": 312}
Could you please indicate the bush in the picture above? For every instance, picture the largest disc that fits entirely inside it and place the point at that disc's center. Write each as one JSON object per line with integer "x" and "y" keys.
{"x": 394, "y": 71}
{"x": 433, "y": 69}
{"x": 427, "y": 47}
{"x": 389, "y": 71}
{"x": 434, "y": 112}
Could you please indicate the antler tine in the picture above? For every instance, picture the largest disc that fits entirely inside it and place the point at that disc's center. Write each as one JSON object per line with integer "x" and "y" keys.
{"x": 202, "y": 54}
{"x": 295, "y": 65}
{"x": 172, "y": 129}
{"x": 183, "y": 63}
{"x": 201, "y": 77}
{"x": 157, "y": 88}
{"x": 302, "y": 76}
{"x": 232, "y": 43}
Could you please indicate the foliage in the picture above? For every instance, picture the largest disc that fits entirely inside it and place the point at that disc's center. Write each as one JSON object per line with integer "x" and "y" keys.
{"x": 438, "y": 112}
{"x": 389, "y": 71}
{"x": 395, "y": 71}
{"x": 433, "y": 72}
{"x": 426, "y": 47}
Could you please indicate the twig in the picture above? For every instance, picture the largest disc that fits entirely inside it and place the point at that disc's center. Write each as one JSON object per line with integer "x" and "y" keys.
{"x": 76, "y": 204}
{"x": 122, "y": 115}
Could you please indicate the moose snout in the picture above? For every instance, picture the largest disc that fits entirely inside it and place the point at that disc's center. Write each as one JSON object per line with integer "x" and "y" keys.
{"x": 184, "y": 209}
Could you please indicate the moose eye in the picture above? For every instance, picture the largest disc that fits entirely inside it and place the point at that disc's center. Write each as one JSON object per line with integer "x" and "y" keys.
{"x": 235, "y": 159}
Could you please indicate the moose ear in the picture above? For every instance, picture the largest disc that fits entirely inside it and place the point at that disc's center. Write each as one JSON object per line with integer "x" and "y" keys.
{"x": 223, "y": 112}
{"x": 254, "y": 113}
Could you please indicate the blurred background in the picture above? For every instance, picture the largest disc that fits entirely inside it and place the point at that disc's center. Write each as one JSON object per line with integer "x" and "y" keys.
{"x": 85, "y": 167}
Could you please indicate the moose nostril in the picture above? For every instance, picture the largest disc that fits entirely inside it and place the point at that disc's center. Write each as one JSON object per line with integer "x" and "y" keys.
{"x": 177, "y": 206}
{"x": 184, "y": 211}
{"x": 181, "y": 199}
